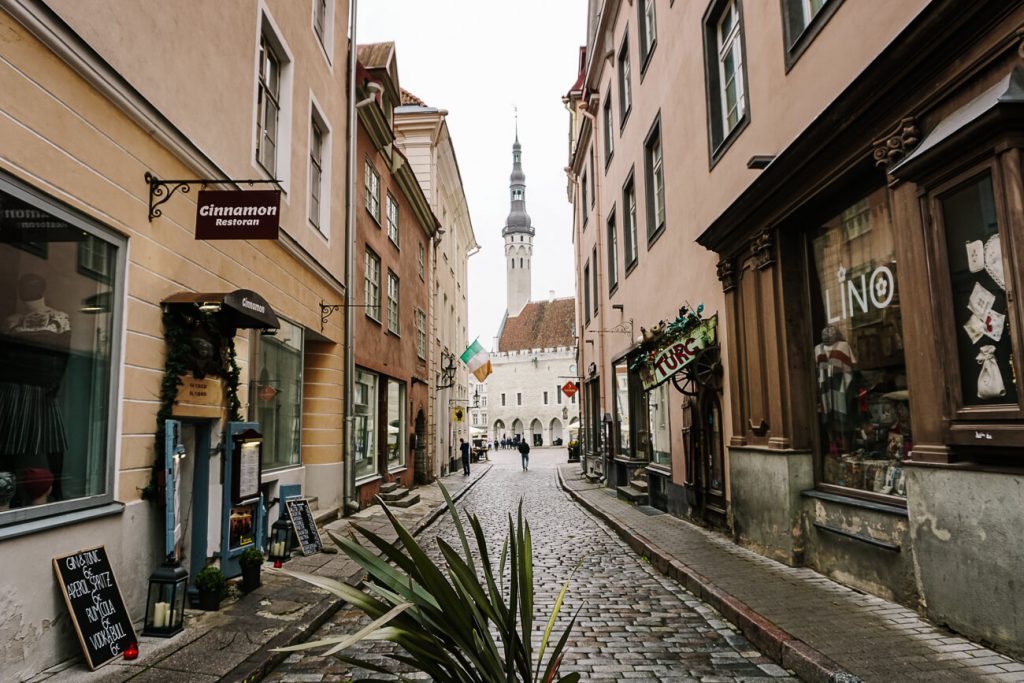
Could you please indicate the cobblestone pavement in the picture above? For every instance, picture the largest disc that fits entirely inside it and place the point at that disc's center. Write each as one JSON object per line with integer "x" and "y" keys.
{"x": 635, "y": 623}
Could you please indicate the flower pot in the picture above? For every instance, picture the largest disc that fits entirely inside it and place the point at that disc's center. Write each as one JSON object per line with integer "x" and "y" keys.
{"x": 209, "y": 600}
{"x": 250, "y": 578}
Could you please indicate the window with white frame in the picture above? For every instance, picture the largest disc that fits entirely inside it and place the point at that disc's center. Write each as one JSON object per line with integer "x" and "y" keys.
{"x": 798, "y": 15}
{"x": 613, "y": 251}
{"x": 597, "y": 296}
{"x": 371, "y": 185}
{"x": 625, "y": 88}
{"x": 364, "y": 429}
{"x": 583, "y": 194}
{"x": 316, "y": 172}
{"x": 609, "y": 137}
{"x": 396, "y": 424}
{"x": 629, "y": 245}
{"x": 586, "y": 293}
{"x": 371, "y": 278}
{"x": 393, "y": 310}
{"x": 421, "y": 260}
{"x": 655, "y": 181}
{"x": 268, "y": 105}
{"x": 320, "y": 19}
{"x": 421, "y": 333}
{"x": 648, "y": 30}
{"x": 392, "y": 211}
{"x": 725, "y": 72}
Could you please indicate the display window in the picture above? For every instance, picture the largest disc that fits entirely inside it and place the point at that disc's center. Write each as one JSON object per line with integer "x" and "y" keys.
{"x": 621, "y": 375}
{"x": 61, "y": 279}
{"x": 658, "y": 425}
{"x": 365, "y": 424}
{"x": 862, "y": 396}
{"x": 396, "y": 424}
{"x": 276, "y": 394}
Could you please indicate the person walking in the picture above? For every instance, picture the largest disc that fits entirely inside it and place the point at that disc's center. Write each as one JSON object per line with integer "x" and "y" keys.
{"x": 464, "y": 448}
{"x": 524, "y": 451}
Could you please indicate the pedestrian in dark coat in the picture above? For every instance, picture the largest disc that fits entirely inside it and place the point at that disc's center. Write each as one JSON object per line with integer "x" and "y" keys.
{"x": 524, "y": 451}
{"x": 464, "y": 448}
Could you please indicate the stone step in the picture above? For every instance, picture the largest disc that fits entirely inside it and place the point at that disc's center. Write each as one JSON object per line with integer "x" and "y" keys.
{"x": 394, "y": 496}
{"x": 314, "y": 503}
{"x": 407, "y": 501}
{"x": 639, "y": 484}
{"x": 632, "y": 494}
{"x": 389, "y": 487}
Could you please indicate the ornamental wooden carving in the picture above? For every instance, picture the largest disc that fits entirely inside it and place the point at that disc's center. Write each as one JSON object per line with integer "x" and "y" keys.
{"x": 763, "y": 249}
{"x": 727, "y": 274}
{"x": 897, "y": 144}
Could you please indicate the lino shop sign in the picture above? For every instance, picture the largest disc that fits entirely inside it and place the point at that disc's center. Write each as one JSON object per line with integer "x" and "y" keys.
{"x": 876, "y": 289}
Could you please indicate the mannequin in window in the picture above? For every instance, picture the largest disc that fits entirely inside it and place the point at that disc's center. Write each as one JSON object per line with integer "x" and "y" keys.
{"x": 7, "y": 488}
{"x": 34, "y": 343}
{"x": 835, "y": 361}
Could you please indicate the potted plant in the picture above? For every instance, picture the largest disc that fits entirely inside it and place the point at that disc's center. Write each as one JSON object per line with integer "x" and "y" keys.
{"x": 574, "y": 450}
{"x": 212, "y": 585}
{"x": 251, "y": 561}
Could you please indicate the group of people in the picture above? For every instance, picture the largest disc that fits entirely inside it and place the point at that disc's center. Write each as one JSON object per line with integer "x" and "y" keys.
{"x": 504, "y": 443}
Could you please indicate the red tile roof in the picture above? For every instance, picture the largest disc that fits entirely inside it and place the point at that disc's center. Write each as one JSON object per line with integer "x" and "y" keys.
{"x": 540, "y": 325}
{"x": 409, "y": 98}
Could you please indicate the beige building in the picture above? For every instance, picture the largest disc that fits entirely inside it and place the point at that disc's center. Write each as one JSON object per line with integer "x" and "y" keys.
{"x": 423, "y": 136}
{"x": 841, "y": 183}
{"x": 108, "y": 296}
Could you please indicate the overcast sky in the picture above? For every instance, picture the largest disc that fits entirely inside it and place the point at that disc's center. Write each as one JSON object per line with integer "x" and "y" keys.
{"x": 478, "y": 59}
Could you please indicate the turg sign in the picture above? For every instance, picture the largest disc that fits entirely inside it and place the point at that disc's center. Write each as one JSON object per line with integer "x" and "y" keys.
{"x": 238, "y": 215}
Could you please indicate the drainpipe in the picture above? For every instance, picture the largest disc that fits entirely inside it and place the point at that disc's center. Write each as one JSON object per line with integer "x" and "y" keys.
{"x": 350, "y": 503}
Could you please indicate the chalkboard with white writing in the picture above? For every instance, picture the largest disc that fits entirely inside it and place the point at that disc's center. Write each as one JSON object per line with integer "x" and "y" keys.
{"x": 95, "y": 603}
{"x": 305, "y": 526}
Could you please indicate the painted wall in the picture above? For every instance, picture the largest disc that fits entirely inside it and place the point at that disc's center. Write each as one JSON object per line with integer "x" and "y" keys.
{"x": 766, "y": 502}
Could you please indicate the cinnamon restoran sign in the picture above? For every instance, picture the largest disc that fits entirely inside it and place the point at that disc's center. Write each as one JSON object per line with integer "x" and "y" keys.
{"x": 238, "y": 215}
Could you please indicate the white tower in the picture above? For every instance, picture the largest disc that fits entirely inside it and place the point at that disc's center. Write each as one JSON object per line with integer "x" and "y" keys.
{"x": 518, "y": 233}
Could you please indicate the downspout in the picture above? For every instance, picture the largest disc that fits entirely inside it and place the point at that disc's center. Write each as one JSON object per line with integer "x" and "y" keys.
{"x": 350, "y": 504}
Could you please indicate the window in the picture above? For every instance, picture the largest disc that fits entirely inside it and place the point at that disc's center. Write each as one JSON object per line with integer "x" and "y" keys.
{"x": 421, "y": 259}
{"x": 517, "y": 195}
{"x": 268, "y": 106}
{"x": 593, "y": 191}
{"x": 519, "y": 399}
{"x": 316, "y": 171}
{"x": 802, "y": 20}
{"x": 586, "y": 292}
{"x": 613, "y": 252}
{"x": 503, "y": 399}
{"x": 60, "y": 332}
{"x": 558, "y": 395}
{"x": 609, "y": 136}
{"x": 392, "y": 209}
{"x": 625, "y": 88}
{"x": 545, "y": 398}
{"x": 364, "y": 428}
{"x": 277, "y": 373}
{"x": 371, "y": 279}
{"x": 629, "y": 245}
{"x": 648, "y": 30}
{"x": 396, "y": 424}
{"x": 320, "y": 19}
{"x": 658, "y": 425}
{"x": 655, "y": 182}
{"x": 393, "y": 322}
{"x": 583, "y": 191}
{"x": 621, "y": 396}
{"x": 597, "y": 296}
{"x": 859, "y": 370}
{"x": 725, "y": 72}
{"x": 421, "y": 333}
{"x": 371, "y": 185}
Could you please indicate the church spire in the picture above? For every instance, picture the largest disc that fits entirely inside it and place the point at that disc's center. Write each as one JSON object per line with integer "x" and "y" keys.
{"x": 518, "y": 220}
{"x": 518, "y": 233}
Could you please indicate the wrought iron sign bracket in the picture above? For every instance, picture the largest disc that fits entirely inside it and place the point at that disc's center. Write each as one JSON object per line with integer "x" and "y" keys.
{"x": 325, "y": 312}
{"x": 448, "y": 368}
{"x": 625, "y": 327}
{"x": 161, "y": 190}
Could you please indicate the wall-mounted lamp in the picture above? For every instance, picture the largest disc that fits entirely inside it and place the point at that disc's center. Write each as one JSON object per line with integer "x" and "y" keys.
{"x": 209, "y": 306}
{"x": 618, "y": 307}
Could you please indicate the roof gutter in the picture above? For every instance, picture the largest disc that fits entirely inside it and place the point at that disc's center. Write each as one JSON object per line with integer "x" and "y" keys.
{"x": 350, "y": 503}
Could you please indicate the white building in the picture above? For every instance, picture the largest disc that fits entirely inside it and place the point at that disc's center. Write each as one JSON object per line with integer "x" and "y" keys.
{"x": 535, "y": 353}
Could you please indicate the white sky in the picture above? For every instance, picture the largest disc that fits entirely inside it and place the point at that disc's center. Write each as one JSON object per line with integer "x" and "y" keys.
{"x": 478, "y": 58}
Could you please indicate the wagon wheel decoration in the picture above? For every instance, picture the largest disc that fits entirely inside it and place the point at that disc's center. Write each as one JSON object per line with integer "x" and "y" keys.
{"x": 703, "y": 373}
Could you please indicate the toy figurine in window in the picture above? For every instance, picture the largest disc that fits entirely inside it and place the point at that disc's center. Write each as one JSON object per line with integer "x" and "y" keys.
{"x": 7, "y": 490}
{"x": 34, "y": 352}
{"x": 835, "y": 362}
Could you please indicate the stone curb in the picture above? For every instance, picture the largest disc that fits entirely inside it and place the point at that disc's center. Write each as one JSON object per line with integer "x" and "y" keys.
{"x": 784, "y": 648}
{"x": 260, "y": 663}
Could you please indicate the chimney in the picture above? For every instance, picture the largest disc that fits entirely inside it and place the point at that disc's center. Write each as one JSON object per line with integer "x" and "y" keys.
{"x": 551, "y": 295}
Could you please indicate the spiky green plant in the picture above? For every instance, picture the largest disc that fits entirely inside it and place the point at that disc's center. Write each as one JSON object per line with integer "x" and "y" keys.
{"x": 443, "y": 616}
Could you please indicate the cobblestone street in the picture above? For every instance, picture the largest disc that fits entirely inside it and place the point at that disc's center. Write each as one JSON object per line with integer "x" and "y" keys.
{"x": 635, "y": 623}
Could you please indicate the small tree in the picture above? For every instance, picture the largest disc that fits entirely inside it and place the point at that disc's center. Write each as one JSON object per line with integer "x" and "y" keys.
{"x": 446, "y": 624}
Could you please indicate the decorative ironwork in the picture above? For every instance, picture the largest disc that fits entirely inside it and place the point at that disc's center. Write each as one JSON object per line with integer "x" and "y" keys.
{"x": 325, "y": 312}
{"x": 160, "y": 191}
{"x": 447, "y": 370}
{"x": 763, "y": 249}
{"x": 726, "y": 272}
{"x": 895, "y": 146}
{"x": 625, "y": 327}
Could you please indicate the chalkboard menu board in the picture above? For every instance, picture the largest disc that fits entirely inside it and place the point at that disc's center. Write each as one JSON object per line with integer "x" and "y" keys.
{"x": 305, "y": 526}
{"x": 95, "y": 603}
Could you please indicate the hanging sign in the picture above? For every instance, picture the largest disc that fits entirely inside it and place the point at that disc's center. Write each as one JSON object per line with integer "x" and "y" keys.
{"x": 676, "y": 351}
{"x": 570, "y": 389}
{"x": 97, "y": 609}
{"x": 238, "y": 215}
{"x": 305, "y": 526}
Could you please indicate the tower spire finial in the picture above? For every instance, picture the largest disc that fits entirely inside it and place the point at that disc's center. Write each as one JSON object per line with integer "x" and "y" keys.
{"x": 515, "y": 111}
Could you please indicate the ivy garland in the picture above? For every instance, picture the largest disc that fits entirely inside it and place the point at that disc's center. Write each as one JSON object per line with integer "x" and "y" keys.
{"x": 689, "y": 319}
{"x": 179, "y": 329}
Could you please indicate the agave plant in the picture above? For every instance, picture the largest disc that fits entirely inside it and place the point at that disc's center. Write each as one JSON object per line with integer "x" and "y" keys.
{"x": 450, "y": 624}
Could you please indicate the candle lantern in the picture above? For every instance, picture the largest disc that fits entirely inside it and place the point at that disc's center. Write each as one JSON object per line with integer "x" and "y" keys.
{"x": 280, "y": 535}
{"x": 165, "y": 608}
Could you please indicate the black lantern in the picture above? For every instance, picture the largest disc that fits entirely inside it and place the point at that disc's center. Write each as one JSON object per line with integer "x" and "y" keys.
{"x": 165, "y": 608}
{"x": 280, "y": 535}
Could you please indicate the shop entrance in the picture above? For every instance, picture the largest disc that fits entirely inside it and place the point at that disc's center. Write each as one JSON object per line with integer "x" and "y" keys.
{"x": 702, "y": 437}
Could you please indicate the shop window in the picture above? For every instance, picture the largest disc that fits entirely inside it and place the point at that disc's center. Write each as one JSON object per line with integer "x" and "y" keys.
{"x": 364, "y": 429}
{"x": 658, "y": 425}
{"x": 59, "y": 345}
{"x": 396, "y": 424}
{"x": 275, "y": 396}
{"x": 622, "y": 421}
{"x": 860, "y": 374}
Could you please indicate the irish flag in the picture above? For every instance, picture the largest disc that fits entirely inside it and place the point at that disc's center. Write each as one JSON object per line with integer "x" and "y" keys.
{"x": 477, "y": 360}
